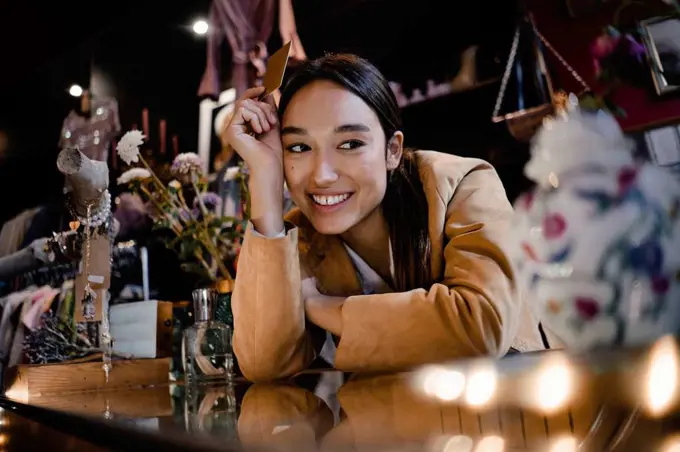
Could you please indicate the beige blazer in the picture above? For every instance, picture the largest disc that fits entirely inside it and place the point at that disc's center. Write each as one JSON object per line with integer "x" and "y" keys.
{"x": 474, "y": 309}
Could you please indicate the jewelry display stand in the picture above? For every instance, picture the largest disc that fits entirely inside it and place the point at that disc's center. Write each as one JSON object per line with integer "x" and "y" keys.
{"x": 90, "y": 204}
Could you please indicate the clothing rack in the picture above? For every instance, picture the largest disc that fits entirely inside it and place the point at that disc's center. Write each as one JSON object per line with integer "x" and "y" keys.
{"x": 51, "y": 275}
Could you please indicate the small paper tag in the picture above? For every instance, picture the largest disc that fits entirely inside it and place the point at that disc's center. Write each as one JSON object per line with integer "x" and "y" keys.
{"x": 96, "y": 279}
{"x": 99, "y": 270}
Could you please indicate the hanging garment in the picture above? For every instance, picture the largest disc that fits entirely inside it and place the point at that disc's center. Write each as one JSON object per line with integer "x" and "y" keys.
{"x": 246, "y": 26}
{"x": 288, "y": 30}
{"x": 14, "y": 230}
{"x": 93, "y": 135}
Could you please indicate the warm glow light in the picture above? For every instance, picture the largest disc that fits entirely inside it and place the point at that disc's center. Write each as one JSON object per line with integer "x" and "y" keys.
{"x": 18, "y": 393}
{"x": 443, "y": 384}
{"x": 491, "y": 444}
{"x": 554, "y": 385}
{"x": 566, "y": 444}
{"x": 75, "y": 91}
{"x": 662, "y": 376}
{"x": 4, "y": 439}
{"x": 201, "y": 27}
{"x": 458, "y": 443}
{"x": 481, "y": 387}
{"x": 671, "y": 445}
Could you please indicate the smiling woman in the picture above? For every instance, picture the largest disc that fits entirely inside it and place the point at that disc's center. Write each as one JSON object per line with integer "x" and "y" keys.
{"x": 396, "y": 253}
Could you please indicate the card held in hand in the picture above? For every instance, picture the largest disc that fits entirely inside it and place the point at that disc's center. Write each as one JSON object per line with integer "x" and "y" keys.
{"x": 276, "y": 68}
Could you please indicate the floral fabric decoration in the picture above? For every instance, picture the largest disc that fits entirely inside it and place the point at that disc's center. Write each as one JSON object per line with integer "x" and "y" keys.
{"x": 597, "y": 244}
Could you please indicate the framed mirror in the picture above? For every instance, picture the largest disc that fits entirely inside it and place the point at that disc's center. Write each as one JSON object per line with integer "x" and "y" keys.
{"x": 661, "y": 36}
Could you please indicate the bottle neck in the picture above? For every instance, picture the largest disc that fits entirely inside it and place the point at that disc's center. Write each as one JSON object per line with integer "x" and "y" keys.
{"x": 204, "y": 303}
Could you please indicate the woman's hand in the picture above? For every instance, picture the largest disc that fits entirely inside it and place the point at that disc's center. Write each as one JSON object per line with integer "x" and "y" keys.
{"x": 253, "y": 133}
{"x": 325, "y": 312}
{"x": 253, "y": 130}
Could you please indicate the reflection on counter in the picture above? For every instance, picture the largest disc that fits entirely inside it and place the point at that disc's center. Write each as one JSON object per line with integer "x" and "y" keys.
{"x": 210, "y": 409}
{"x": 552, "y": 401}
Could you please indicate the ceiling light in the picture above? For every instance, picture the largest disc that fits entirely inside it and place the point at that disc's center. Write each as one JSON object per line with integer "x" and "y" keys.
{"x": 75, "y": 91}
{"x": 200, "y": 27}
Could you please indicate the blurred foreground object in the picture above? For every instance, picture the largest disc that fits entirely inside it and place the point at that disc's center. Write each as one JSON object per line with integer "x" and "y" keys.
{"x": 596, "y": 242}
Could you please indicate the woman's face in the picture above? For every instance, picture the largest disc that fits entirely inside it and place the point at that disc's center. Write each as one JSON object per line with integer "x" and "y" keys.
{"x": 335, "y": 156}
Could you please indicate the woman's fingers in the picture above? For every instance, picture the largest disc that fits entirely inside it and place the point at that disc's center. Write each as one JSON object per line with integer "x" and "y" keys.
{"x": 252, "y": 118}
{"x": 260, "y": 109}
{"x": 253, "y": 93}
{"x": 270, "y": 106}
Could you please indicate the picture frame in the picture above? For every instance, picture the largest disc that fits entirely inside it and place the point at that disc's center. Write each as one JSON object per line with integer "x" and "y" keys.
{"x": 661, "y": 37}
{"x": 659, "y": 146}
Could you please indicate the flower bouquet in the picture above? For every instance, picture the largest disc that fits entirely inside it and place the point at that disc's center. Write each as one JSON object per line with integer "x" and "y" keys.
{"x": 618, "y": 59}
{"x": 206, "y": 242}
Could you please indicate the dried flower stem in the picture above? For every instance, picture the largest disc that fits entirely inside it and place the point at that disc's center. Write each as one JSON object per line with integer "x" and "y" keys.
{"x": 206, "y": 240}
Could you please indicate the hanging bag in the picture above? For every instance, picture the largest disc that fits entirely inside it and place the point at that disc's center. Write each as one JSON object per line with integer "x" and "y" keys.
{"x": 524, "y": 122}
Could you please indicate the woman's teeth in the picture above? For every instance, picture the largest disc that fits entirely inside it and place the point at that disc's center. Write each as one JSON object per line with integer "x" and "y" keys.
{"x": 330, "y": 200}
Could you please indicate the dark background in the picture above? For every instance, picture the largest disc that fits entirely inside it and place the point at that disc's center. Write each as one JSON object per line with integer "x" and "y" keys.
{"x": 149, "y": 57}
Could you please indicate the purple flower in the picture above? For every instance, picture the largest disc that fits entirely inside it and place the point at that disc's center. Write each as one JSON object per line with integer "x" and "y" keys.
{"x": 633, "y": 48}
{"x": 185, "y": 164}
{"x": 184, "y": 215}
{"x": 212, "y": 201}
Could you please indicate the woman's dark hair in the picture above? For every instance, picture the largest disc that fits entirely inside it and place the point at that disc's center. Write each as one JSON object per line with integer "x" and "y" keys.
{"x": 404, "y": 205}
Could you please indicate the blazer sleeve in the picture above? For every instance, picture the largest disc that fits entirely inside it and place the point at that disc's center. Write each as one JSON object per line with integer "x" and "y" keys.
{"x": 270, "y": 340}
{"x": 473, "y": 311}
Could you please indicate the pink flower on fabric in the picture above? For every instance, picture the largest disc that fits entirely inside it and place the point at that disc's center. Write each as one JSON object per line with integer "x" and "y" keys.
{"x": 587, "y": 308}
{"x": 529, "y": 251}
{"x": 527, "y": 200}
{"x": 626, "y": 179}
{"x": 660, "y": 285}
{"x": 554, "y": 226}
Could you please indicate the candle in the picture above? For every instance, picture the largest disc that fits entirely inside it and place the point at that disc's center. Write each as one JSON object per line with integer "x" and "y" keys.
{"x": 175, "y": 145}
{"x": 145, "y": 121}
{"x": 163, "y": 126}
{"x": 145, "y": 272}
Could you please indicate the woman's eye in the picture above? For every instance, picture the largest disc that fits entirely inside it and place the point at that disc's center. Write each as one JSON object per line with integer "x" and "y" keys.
{"x": 351, "y": 144}
{"x": 298, "y": 148}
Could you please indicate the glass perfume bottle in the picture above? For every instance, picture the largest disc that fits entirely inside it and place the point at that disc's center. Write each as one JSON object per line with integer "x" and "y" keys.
{"x": 206, "y": 345}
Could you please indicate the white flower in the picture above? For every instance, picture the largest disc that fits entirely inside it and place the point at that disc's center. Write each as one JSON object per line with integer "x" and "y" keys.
{"x": 133, "y": 174}
{"x": 175, "y": 184}
{"x": 231, "y": 173}
{"x": 128, "y": 146}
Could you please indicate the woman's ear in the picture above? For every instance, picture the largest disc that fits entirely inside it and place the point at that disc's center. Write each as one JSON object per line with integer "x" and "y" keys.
{"x": 395, "y": 148}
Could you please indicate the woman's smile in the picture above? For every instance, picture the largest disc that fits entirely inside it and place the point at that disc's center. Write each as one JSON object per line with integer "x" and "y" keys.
{"x": 327, "y": 203}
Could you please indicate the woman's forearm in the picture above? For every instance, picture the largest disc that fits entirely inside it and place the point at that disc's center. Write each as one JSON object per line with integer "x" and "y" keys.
{"x": 270, "y": 336}
{"x": 266, "y": 207}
